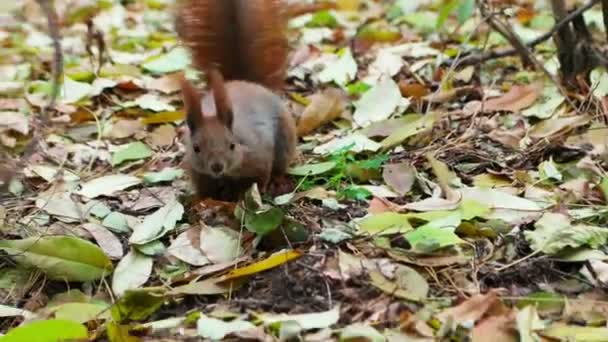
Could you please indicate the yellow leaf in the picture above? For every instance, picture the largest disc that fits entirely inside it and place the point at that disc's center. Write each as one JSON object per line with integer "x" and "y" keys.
{"x": 163, "y": 117}
{"x": 272, "y": 261}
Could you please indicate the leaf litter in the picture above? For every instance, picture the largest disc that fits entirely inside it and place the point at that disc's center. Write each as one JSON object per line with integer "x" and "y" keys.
{"x": 429, "y": 201}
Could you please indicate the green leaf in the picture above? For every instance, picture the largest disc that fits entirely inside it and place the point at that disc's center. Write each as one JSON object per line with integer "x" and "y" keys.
{"x": 444, "y": 13}
{"x": 116, "y": 222}
{"x": 385, "y": 223}
{"x": 357, "y": 88}
{"x": 155, "y": 226}
{"x": 465, "y": 10}
{"x": 264, "y": 222}
{"x": 81, "y": 312}
{"x": 554, "y": 232}
{"x": 356, "y": 193}
{"x": 312, "y": 169}
{"x": 133, "y": 151}
{"x": 323, "y": 19}
{"x": 409, "y": 129}
{"x": 136, "y": 305}
{"x": 47, "y": 331}
{"x": 166, "y": 175}
{"x": 429, "y": 237}
{"x": 562, "y": 332}
{"x": 60, "y": 257}
{"x": 175, "y": 60}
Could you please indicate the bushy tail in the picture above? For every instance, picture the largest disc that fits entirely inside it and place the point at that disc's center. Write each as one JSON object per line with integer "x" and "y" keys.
{"x": 243, "y": 39}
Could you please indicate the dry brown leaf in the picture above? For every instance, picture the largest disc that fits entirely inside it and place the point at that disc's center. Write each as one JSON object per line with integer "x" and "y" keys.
{"x": 107, "y": 241}
{"x": 451, "y": 94}
{"x": 381, "y": 205}
{"x": 471, "y": 309}
{"x": 400, "y": 177}
{"x": 162, "y": 136}
{"x": 324, "y": 107}
{"x": 167, "y": 84}
{"x": 496, "y": 329}
{"x": 554, "y": 126}
{"x": 516, "y": 99}
{"x": 413, "y": 90}
{"x": 125, "y": 128}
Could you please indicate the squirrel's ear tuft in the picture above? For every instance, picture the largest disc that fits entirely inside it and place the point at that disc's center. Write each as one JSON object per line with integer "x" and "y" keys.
{"x": 192, "y": 103}
{"x": 223, "y": 106}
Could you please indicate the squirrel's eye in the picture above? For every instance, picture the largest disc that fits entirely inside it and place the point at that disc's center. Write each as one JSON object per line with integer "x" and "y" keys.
{"x": 232, "y": 147}
{"x": 196, "y": 148}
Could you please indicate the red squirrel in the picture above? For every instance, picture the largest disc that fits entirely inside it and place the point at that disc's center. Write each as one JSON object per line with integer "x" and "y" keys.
{"x": 240, "y": 130}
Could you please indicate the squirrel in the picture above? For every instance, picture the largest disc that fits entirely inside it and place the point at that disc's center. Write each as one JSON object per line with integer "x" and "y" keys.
{"x": 240, "y": 130}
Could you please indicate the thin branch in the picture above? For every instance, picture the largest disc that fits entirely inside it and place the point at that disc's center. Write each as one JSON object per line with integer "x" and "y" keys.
{"x": 495, "y": 54}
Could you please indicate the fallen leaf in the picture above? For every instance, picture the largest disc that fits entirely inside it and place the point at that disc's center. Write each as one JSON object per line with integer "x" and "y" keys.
{"x": 166, "y": 84}
{"x": 550, "y": 100}
{"x": 220, "y": 244}
{"x": 317, "y": 320}
{"x": 183, "y": 249}
{"x": 378, "y": 103}
{"x": 108, "y": 242}
{"x": 60, "y": 257}
{"x": 564, "y": 332}
{"x": 357, "y": 331}
{"x": 408, "y": 284}
{"x": 175, "y": 60}
{"x": 131, "y": 272}
{"x": 400, "y": 177}
{"x": 528, "y": 323}
{"x": 410, "y": 129}
{"x": 312, "y": 169}
{"x": 215, "y": 329}
{"x": 324, "y": 107}
{"x": 73, "y": 91}
{"x": 14, "y": 121}
{"x": 47, "y": 330}
{"x": 156, "y": 225}
{"x": 553, "y": 126}
{"x": 516, "y": 99}
{"x": 341, "y": 71}
{"x": 276, "y": 259}
{"x": 165, "y": 175}
{"x": 161, "y": 136}
{"x": 107, "y": 185}
{"x": 554, "y": 232}
{"x": 472, "y": 309}
{"x": 357, "y": 142}
{"x": 133, "y": 151}
{"x": 125, "y": 128}
{"x": 384, "y": 223}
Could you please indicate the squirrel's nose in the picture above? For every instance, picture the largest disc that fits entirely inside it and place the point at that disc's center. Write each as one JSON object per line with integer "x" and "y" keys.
{"x": 217, "y": 168}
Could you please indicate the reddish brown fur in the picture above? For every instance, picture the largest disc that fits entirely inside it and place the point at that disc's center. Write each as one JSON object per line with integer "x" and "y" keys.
{"x": 244, "y": 39}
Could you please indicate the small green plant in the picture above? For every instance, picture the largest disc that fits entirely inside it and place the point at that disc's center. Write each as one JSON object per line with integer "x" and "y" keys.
{"x": 347, "y": 171}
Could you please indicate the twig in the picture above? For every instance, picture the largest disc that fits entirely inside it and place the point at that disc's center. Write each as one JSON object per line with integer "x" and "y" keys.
{"x": 41, "y": 120}
{"x": 527, "y": 55}
{"x": 495, "y": 54}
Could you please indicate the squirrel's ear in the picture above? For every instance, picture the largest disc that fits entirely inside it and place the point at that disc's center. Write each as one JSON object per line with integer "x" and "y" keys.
{"x": 223, "y": 106}
{"x": 192, "y": 104}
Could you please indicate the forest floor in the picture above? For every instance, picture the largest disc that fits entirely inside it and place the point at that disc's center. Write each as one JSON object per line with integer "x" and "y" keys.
{"x": 435, "y": 197}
